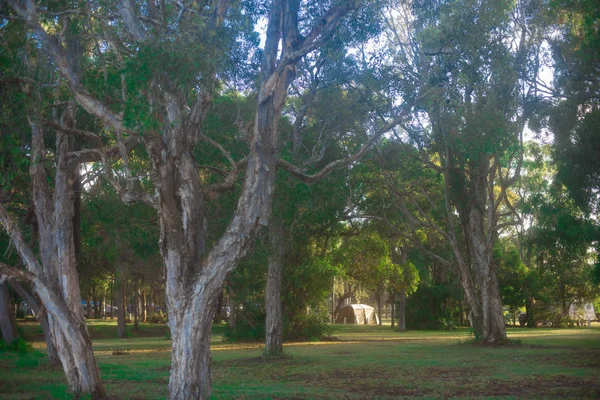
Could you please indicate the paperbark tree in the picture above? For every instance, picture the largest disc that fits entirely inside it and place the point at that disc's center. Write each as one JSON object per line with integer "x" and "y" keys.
{"x": 54, "y": 276}
{"x": 171, "y": 106}
{"x": 476, "y": 111}
{"x": 274, "y": 317}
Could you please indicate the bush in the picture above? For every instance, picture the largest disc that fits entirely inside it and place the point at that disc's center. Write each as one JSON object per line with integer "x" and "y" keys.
{"x": 312, "y": 326}
{"x": 244, "y": 332}
{"x": 19, "y": 345}
{"x": 158, "y": 319}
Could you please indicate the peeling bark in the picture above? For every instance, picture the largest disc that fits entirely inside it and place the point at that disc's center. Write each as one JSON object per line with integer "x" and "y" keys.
{"x": 54, "y": 276}
{"x": 274, "y": 318}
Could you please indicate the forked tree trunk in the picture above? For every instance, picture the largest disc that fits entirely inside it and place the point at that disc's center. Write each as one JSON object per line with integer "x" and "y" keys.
{"x": 8, "y": 326}
{"x": 274, "y": 318}
{"x": 54, "y": 274}
{"x": 492, "y": 325}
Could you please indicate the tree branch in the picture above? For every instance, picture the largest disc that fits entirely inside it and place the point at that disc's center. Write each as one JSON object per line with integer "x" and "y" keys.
{"x": 340, "y": 163}
{"x": 52, "y": 44}
{"x": 71, "y": 131}
{"x": 25, "y": 251}
{"x": 131, "y": 22}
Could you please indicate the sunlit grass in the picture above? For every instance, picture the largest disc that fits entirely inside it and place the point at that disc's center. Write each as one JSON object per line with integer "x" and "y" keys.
{"x": 364, "y": 363}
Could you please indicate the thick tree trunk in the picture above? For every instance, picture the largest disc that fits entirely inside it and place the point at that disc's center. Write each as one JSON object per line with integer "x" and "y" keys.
{"x": 493, "y": 329}
{"x": 402, "y": 311}
{"x": 57, "y": 280}
{"x": 529, "y": 311}
{"x": 274, "y": 318}
{"x": 191, "y": 332}
{"x": 8, "y": 327}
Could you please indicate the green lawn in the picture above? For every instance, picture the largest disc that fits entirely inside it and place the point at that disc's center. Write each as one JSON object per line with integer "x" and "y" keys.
{"x": 365, "y": 363}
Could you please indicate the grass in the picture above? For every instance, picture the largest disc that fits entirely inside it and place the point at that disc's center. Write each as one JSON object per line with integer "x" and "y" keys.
{"x": 365, "y": 363}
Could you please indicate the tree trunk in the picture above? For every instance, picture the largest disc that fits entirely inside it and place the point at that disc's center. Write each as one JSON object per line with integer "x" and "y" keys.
{"x": 8, "y": 326}
{"x": 529, "y": 311}
{"x": 274, "y": 319}
{"x": 144, "y": 307}
{"x": 378, "y": 295}
{"x": 232, "y": 321}
{"x": 120, "y": 300}
{"x": 54, "y": 274}
{"x": 89, "y": 308}
{"x": 136, "y": 310}
{"x": 191, "y": 332}
{"x": 402, "y": 311}
{"x": 492, "y": 319}
{"x": 53, "y": 358}
{"x": 393, "y": 308}
{"x": 42, "y": 316}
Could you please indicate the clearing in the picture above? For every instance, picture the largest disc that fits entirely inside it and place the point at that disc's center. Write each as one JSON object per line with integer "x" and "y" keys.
{"x": 366, "y": 362}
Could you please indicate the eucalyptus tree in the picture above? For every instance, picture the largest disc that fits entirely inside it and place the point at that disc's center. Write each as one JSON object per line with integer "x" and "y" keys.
{"x": 39, "y": 115}
{"x": 473, "y": 58}
{"x": 316, "y": 136}
{"x": 153, "y": 72}
{"x": 571, "y": 102}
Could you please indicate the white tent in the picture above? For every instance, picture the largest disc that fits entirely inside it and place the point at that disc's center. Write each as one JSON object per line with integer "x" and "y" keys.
{"x": 360, "y": 314}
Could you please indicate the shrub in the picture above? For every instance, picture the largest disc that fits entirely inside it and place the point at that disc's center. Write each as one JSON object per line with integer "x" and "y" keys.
{"x": 158, "y": 319}
{"x": 312, "y": 326}
{"x": 19, "y": 345}
{"x": 245, "y": 332}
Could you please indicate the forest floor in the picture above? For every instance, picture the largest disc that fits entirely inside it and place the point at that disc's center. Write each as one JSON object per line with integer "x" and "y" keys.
{"x": 361, "y": 363}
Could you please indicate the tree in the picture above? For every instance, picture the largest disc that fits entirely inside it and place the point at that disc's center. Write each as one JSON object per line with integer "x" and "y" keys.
{"x": 469, "y": 132}
{"x": 8, "y": 328}
{"x": 569, "y": 107}
{"x": 164, "y": 108}
{"x": 511, "y": 277}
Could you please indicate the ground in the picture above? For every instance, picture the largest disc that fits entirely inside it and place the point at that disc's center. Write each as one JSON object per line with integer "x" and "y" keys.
{"x": 363, "y": 363}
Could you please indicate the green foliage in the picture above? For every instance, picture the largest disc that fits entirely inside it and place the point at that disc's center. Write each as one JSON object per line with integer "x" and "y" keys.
{"x": 309, "y": 326}
{"x": 19, "y": 345}
{"x": 512, "y": 274}
{"x": 246, "y": 332}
